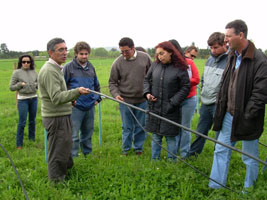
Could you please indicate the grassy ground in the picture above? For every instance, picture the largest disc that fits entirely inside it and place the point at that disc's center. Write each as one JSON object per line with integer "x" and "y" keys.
{"x": 106, "y": 174}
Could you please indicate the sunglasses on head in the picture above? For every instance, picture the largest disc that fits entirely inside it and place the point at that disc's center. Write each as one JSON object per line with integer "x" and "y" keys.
{"x": 24, "y": 62}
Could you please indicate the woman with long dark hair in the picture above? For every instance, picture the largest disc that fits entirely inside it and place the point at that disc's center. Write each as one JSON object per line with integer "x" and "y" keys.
{"x": 24, "y": 80}
{"x": 166, "y": 85}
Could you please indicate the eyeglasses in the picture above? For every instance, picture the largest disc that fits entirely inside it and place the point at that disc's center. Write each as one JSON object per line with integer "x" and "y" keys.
{"x": 28, "y": 62}
{"x": 193, "y": 56}
{"x": 61, "y": 50}
{"x": 125, "y": 51}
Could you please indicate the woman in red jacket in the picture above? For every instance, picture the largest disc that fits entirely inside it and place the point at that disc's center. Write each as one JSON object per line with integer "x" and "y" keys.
{"x": 188, "y": 105}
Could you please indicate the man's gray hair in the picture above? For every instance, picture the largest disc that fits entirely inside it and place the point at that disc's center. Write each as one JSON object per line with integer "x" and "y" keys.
{"x": 52, "y": 43}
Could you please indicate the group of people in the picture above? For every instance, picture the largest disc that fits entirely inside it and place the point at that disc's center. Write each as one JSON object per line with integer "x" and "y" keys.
{"x": 233, "y": 97}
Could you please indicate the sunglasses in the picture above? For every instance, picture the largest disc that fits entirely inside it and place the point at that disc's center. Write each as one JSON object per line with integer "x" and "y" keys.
{"x": 28, "y": 62}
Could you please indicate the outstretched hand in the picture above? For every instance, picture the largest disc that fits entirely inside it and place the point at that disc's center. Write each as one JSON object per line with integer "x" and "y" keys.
{"x": 83, "y": 90}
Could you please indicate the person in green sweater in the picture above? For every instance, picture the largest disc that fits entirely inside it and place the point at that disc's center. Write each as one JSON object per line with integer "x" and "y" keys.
{"x": 56, "y": 110}
{"x": 24, "y": 81}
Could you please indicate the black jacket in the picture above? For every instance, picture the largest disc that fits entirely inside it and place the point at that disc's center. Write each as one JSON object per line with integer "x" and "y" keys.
{"x": 170, "y": 85}
{"x": 250, "y": 97}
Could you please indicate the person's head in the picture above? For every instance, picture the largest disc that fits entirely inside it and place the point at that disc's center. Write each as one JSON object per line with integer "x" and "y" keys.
{"x": 177, "y": 46}
{"x": 140, "y": 49}
{"x": 57, "y": 50}
{"x": 82, "y": 51}
{"x": 166, "y": 53}
{"x": 26, "y": 62}
{"x": 127, "y": 47}
{"x": 217, "y": 44}
{"x": 191, "y": 52}
{"x": 236, "y": 34}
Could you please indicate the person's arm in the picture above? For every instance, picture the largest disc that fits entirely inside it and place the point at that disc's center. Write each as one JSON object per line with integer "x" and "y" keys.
{"x": 148, "y": 83}
{"x": 53, "y": 84}
{"x": 184, "y": 89}
{"x": 15, "y": 84}
{"x": 258, "y": 97}
{"x": 194, "y": 80}
{"x": 113, "y": 80}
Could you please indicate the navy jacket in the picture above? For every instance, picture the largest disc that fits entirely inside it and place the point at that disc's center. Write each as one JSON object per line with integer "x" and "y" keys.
{"x": 77, "y": 76}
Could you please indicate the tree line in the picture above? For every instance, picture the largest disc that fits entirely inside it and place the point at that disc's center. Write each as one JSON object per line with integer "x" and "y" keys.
{"x": 95, "y": 53}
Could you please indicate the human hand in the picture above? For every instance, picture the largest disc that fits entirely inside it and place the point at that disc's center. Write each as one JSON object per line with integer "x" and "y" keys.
{"x": 73, "y": 103}
{"x": 23, "y": 83}
{"x": 83, "y": 90}
{"x": 119, "y": 98}
{"x": 150, "y": 97}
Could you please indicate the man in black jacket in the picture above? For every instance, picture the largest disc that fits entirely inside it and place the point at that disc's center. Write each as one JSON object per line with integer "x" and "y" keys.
{"x": 240, "y": 109}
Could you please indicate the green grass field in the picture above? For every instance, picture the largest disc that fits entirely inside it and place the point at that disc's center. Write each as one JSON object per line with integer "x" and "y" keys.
{"x": 106, "y": 174}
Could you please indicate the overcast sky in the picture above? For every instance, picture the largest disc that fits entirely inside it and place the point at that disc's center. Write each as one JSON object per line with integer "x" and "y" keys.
{"x": 30, "y": 24}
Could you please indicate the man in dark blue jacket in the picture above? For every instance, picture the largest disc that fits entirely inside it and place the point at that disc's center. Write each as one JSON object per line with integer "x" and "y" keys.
{"x": 80, "y": 72}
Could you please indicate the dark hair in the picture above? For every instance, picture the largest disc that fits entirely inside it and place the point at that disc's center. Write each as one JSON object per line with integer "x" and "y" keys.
{"x": 239, "y": 26}
{"x": 216, "y": 38}
{"x": 190, "y": 48}
{"x": 82, "y": 46}
{"x": 31, "y": 59}
{"x": 140, "y": 49}
{"x": 177, "y": 46}
{"x": 52, "y": 43}
{"x": 176, "y": 58}
{"x": 126, "y": 42}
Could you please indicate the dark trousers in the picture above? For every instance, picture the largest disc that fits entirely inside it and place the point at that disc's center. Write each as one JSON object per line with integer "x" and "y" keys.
{"x": 59, "y": 135}
{"x": 204, "y": 125}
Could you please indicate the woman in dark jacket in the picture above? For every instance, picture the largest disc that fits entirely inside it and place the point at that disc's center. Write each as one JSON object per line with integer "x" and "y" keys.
{"x": 166, "y": 85}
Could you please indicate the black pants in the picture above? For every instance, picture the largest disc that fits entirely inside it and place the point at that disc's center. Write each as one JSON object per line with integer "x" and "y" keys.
{"x": 59, "y": 134}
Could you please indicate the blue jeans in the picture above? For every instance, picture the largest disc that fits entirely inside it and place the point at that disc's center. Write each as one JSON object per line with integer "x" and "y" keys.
{"x": 131, "y": 131}
{"x": 82, "y": 121}
{"x": 156, "y": 148}
{"x": 26, "y": 106}
{"x": 204, "y": 125}
{"x": 184, "y": 139}
{"x": 222, "y": 157}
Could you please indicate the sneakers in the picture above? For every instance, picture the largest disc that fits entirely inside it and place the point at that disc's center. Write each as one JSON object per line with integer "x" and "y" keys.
{"x": 139, "y": 153}
{"x": 19, "y": 148}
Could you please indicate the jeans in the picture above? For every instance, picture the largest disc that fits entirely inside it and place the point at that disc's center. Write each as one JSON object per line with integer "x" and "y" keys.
{"x": 82, "y": 121}
{"x": 222, "y": 157}
{"x": 204, "y": 125}
{"x": 171, "y": 146}
{"x": 131, "y": 131}
{"x": 184, "y": 139}
{"x": 26, "y": 106}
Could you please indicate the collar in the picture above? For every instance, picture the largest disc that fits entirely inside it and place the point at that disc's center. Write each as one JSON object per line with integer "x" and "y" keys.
{"x": 55, "y": 63}
{"x": 133, "y": 57}
{"x": 248, "y": 52}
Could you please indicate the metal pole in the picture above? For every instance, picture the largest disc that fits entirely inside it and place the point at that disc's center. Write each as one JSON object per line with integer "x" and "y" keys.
{"x": 197, "y": 100}
{"x": 99, "y": 123}
{"x": 181, "y": 126}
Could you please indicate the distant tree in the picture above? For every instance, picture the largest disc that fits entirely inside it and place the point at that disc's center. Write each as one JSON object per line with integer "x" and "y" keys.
{"x": 35, "y": 53}
{"x": 113, "y": 49}
{"x": 71, "y": 53}
{"x": 151, "y": 51}
{"x": 43, "y": 53}
{"x": 101, "y": 52}
{"x": 113, "y": 54}
{"x": 4, "y": 48}
{"x": 265, "y": 52}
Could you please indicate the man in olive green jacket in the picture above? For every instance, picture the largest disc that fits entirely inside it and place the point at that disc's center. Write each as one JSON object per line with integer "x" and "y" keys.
{"x": 56, "y": 110}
